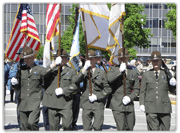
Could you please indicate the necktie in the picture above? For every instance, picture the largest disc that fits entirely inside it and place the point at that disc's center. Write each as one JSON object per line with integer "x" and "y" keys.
{"x": 156, "y": 74}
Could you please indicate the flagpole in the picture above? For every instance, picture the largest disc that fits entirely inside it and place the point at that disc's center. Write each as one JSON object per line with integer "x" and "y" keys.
{"x": 124, "y": 76}
{"x": 87, "y": 57}
{"x": 59, "y": 51}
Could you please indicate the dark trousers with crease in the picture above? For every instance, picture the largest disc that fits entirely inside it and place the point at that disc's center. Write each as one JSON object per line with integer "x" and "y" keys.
{"x": 55, "y": 116}
{"x": 158, "y": 122}
{"x": 88, "y": 115}
{"x": 29, "y": 119}
{"x": 125, "y": 121}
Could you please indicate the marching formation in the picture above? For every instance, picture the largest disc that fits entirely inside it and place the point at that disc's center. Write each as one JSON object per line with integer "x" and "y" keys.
{"x": 107, "y": 91}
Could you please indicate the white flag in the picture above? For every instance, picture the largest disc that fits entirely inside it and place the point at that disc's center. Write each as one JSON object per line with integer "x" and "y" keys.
{"x": 96, "y": 24}
{"x": 75, "y": 50}
{"x": 115, "y": 30}
{"x": 46, "y": 54}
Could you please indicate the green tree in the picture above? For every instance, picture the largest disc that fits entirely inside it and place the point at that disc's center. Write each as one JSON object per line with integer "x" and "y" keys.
{"x": 40, "y": 53}
{"x": 134, "y": 34}
{"x": 171, "y": 17}
{"x": 67, "y": 37}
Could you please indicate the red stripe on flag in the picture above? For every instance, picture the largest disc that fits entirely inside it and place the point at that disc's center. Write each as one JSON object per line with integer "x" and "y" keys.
{"x": 17, "y": 47}
{"x": 51, "y": 12}
{"x": 32, "y": 44}
{"x": 24, "y": 14}
{"x": 13, "y": 43}
{"x": 24, "y": 21}
{"x": 38, "y": 45}
{"x": 30, "y": 19}
{"x": 15, "y": 27}
{"x": 33, "y": 34}
{"x": 53, "y": 26}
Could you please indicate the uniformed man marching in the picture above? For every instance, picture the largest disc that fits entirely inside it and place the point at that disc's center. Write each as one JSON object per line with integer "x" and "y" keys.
{"x": 29, "y": 82}
{"x": 93, "y": 105}
{"x": 153, "y": 98}
{"x": 59, "y": 100}
{"x": 99, "y": 61}
{"x": 123, "y": 106}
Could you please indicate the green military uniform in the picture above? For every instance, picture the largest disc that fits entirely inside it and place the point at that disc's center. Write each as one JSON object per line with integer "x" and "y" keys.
{"x": 101, "y": 89}
{"x": 154, "y": 95}
{"x": 124, "y": 115}
{"x": 30, "y": 86}
{"x": 60, "y": 105}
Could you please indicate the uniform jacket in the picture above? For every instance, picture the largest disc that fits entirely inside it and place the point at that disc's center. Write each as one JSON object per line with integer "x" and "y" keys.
{"x": 154, "y": 93}
{"x": 30, "y": 86}
{"x": 100, "y": 88}
{"x": 69, "y": 83}
{"x": 115, "y": 78}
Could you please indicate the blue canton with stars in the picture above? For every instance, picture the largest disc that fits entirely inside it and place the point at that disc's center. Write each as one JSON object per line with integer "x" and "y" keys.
{"x": 23, "y": 7}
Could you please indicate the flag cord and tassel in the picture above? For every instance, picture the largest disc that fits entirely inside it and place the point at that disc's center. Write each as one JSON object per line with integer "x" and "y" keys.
{"x": 87, "y": 56}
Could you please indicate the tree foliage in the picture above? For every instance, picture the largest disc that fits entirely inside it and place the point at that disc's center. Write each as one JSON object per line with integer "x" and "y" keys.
{"x": 134, "y": 33}
{"x": 171, "y": 17}
{"x": 67, "y": 37}
{"x": 40, "y": 53}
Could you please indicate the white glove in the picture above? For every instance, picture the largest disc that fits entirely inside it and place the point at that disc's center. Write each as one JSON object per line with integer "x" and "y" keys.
{"x": 142, "y": 108}
{"x": 126, "y": 100}
{"x": 8, "y": 92}
{"x": 172, "y": 82}
{"x": 14, "y": 81}
{"x": 40, "y": 105}
{"x": 58, "y": 60}
{"x": 87, "y": 64}
{"x": 92, "y": 98}
{"x": 122, "y": 67}
{"x": 58, "y": 91}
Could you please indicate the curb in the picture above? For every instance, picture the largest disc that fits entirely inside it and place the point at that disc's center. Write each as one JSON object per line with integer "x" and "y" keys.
{"x": 173, "y": 102}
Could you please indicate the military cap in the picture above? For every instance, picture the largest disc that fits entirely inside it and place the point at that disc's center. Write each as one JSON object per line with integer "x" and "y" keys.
{"x": 120, "y": 53}
{"x": 28, "y": 52}
{"x": 98, "y": 53}
{"x": 91, "y": 53}
{"x": 63, "y": 52}
{"x": 155, "y": 55}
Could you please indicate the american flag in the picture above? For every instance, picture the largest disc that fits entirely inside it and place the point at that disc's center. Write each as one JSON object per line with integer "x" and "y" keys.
{"x": 52, "y": 18}
{"x": 24, "y": 32}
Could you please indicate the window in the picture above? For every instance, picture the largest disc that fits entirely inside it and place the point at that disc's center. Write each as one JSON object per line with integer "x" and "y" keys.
{"x": 35, "y": 8}
{"x": 155, "y": 23}
{"x": 160, "y": 23}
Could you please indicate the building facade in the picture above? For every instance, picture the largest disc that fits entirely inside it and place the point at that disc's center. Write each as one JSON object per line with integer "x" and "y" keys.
{"x": 163, "y": 39}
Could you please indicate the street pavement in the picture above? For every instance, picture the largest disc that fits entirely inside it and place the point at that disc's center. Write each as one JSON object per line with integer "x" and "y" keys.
{"x": 10, "y": 118}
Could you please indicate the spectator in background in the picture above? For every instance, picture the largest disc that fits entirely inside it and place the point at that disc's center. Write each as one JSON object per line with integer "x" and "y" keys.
{"x": 6, "y": 75}
{"x": 139, "y": 65}
{"x": 12, "y": 73}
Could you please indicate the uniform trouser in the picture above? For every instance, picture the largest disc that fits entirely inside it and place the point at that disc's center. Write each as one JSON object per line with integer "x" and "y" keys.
{"x": 87, "y": 116}
{"x": 124, "y": 120}
{"x": 158, "y": 121}
{"x": 54, "y": 118}
{"x": 29, "y": 119}
{"x": 76, "y": 101}
{"x": 45, "y": 117}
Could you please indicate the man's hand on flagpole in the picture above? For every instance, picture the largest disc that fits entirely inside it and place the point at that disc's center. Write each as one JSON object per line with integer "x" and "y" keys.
{"x": 56, "y": 62}
{"x": 86, "y": 66}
